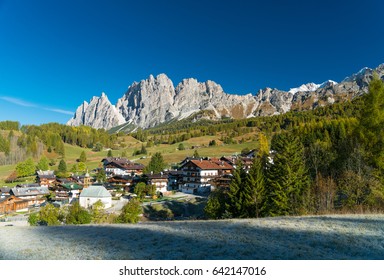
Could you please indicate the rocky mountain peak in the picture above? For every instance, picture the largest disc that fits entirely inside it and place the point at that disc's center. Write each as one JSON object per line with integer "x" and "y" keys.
{"x": 155, "y": 100}
{"x": 98, "y": 113}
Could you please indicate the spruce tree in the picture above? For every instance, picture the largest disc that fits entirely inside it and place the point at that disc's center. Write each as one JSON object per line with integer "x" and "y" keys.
{"x": 83, "y": 157}
{"x": 254, "y": 188}
{"x": 370, "y": 129}
{"x": 156, "y": 164}
{"x": 288, "y": 180}
{"x": 235, "y": 206}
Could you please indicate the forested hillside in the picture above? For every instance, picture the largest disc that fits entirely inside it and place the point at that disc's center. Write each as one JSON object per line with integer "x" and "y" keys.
{"x": 20, "y": 142}
{"x": 321, "y": 161}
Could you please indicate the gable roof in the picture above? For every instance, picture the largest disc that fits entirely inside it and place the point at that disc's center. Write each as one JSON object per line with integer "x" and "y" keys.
{"x": 95, "y": 191}
{"x": 5, "y": 190}
{"x": 210, "y": 164}
{"x": 29, "y": 191}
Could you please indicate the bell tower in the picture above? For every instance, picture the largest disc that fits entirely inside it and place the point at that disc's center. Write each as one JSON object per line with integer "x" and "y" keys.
{"x": 87, "y": 180}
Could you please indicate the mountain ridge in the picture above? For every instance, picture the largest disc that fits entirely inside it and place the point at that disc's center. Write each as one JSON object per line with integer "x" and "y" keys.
{"x": 136, "y": 106}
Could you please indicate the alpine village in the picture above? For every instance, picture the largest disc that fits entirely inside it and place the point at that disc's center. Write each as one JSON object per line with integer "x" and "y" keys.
{"x": 194, "y": 152}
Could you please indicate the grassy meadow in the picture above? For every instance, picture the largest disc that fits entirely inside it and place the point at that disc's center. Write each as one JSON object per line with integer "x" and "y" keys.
{"x": 340, "y": 237}
{"x": 171, "y": 154}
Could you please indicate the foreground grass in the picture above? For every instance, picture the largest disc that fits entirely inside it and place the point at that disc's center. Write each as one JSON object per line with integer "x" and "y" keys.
{"x": 320, "y": 237}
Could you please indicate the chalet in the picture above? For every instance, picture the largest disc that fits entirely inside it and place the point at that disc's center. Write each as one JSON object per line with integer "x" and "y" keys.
{"x": 11, "y": 204}
{"x": 34, "y": 195}
{"x": 46, "y": 178}
{"x": 159, "y": 180}
{"x": 68, "y": 191}
{"x": 124, "y": 182}
{"x": 175, "y": 180}
{"x": 246, "y": 162}
{"x": 121, "y": 166}
{"x": 198, "y": 173}
{"x": 4, "y": 191}
{"x": 92, "y": 194}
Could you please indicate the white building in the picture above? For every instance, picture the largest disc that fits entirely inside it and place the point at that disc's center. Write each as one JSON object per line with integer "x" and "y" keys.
{"x": 198, "y": 174}
{"x": 92, "y": 194}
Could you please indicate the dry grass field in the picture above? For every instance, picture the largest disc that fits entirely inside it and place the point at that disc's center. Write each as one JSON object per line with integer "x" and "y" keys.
{"x": 313, "y": 237}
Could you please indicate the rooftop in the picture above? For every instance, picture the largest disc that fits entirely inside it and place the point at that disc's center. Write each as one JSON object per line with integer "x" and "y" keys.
{"x": 95, "y": 191}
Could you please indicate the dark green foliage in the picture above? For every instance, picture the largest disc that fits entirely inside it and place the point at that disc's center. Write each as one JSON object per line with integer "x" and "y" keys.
{"x": 156, "y": 164}
{"x": 101, "y": 177}
{"x": 212, "y": 143}
{"x": 215, "y": 208}
{"x": 254, "y": 191}
{"x": 371, "y": 127}
{"x": 236, "y": 206}
{"x": 181, "y": 147}
{"x": 288, "y": 180}
{"x": 109, "y": 154}
{"x": 62, "y": 169}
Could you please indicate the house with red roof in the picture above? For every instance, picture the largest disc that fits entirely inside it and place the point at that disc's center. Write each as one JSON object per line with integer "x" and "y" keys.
{"x": 199, "y": 173}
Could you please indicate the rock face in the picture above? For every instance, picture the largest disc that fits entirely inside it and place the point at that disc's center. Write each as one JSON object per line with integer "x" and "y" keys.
{"x": 99, "y": 113}
{"x": 155, "y": 100}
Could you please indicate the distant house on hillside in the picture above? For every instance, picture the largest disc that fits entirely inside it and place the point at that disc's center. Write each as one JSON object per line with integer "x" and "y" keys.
{"x": 92, "y": 194}
{"x": 159, "y": 180}
{"x": 11, "y": 204}
{"x": 4, "y": 191}
{"x": 33, "y": 195}
{"x": 175, "y": 180}
{"x": 121, "y": 166}
{"x": 246, "y": 161}
{"x": 198, "y": 174}
{"x": 46, "y": 178}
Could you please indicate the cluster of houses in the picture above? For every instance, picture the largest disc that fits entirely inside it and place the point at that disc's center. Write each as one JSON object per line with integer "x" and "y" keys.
{"x": 194, "y": 176}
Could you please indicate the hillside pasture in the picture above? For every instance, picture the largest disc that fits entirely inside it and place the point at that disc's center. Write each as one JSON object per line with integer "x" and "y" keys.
{"x": 313, "y": 237}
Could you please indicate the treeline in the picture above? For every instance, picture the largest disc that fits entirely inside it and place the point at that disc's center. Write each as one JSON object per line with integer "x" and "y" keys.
{"x": 9, "y": 125}
{"x": 75, "y": 214}
{"x": 229, "y": 129}
{"x": 84, "y": 136}
{"x": 324, "y": 164}
{"x": 17, "y": 147}
{"x": 32, "y": 140}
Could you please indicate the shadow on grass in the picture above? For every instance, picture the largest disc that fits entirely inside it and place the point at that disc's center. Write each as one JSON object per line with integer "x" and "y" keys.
{"x": 231, "y": 239}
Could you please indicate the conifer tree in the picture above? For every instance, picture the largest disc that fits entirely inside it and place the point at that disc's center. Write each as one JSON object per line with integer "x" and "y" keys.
{"x": 156, "y": 164}
{"x": 288, "y": 180}
{"x": 235, "y": 205}
{"x": 83, "y": 157}
{"x": 371, "y": 125}
{"x": 254, "y": 188}
{"x": 62, "y": 168}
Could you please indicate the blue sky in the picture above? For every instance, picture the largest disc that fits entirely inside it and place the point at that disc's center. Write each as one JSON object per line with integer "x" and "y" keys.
{"x": 55, "y": 54}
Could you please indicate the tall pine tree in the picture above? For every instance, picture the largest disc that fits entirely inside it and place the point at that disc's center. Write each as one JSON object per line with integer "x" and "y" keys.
{"x": 288, "y": 180}
{"x": 235, "y": 206}
{"x": 254, "y": 189}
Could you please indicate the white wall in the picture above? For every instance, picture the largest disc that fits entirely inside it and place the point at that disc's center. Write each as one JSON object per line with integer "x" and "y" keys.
{"x": 87, "y": 202}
